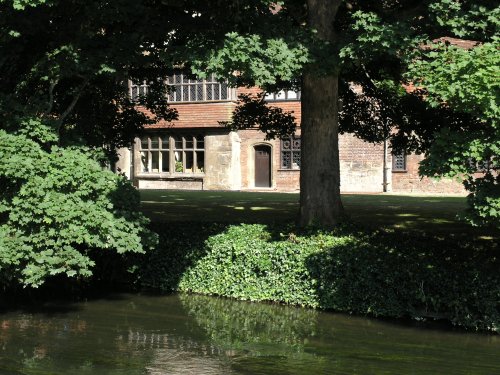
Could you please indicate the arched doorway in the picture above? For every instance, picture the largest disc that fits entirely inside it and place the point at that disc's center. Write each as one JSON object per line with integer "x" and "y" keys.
{"x": 262, "y": 166}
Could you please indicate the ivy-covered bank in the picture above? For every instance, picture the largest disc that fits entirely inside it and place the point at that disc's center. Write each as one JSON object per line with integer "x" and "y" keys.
{"x": 378, "y": 273}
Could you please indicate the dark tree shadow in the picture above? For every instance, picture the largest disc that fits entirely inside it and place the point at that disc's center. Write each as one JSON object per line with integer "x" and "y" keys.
{"x": 393, "y": 274}
{"x": 180, "y": 246}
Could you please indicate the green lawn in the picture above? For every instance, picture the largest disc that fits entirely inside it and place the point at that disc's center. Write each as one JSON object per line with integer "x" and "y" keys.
{"x": 431, "y": 214}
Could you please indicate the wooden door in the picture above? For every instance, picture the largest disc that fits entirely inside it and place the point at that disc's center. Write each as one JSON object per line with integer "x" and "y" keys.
{"x": 262, "y": 166}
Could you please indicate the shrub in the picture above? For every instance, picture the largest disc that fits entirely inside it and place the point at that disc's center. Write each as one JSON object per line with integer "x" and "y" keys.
{"x": 58, "y": 205}
{"x": 379, "y": 273}
{"x": 245, "y": 263}
{"x": 179, "y": 247}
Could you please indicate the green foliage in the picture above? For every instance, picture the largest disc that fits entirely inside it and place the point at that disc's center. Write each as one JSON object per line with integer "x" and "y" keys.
{"x": 74, "y": 69}
{"x": 476, "y": 20}
{"x": 242, "y": 325}
{"x": 253, "y": 111}
{"x": 243, "y": 263}
{"x": 377, "y": 273}
{"x": 64, "y": 110}
{"x": 452, "y": 117}
{"x": 254, "y": 59}
{"x": 179, "y": 246}
{"x": 373, "y": 39}
{"x": 179, "y": 166}
{"x": 466, "y": 81}
{"x": 22, "y": 4}
{"x": 58, "y": 204}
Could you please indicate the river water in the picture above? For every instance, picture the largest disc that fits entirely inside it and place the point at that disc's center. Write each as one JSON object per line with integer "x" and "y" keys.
{"x": 189, "y": 334}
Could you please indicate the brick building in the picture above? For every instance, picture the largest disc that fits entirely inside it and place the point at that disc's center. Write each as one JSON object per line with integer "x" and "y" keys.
{"x": 196, "y": 152}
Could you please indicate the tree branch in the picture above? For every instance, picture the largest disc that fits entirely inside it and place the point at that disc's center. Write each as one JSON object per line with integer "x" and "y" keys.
{"x": 71, "y": 105}
{"x": 376, "y": 94}
{"x": 52, "y": 86}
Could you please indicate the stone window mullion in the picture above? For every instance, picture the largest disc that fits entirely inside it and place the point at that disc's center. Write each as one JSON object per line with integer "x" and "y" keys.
{"x": 183, "y": 154}
{"x": 290, "y": 153}
{"x": 171, "y": 151}
{"x": 158, "y": 156}
{"x": 149, "y": 155}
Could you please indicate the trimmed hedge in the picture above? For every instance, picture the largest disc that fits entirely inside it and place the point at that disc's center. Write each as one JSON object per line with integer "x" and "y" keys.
{"x": 379, "y": 273}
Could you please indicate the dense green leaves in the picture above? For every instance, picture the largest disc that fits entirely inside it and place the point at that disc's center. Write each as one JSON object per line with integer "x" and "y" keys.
{"x": 466, "y": 80}
{"x": 477, "y": 20}
{"x": 253, "y": 111}
{"x": 57, "y": 204}
{"x": 377, "y": 273}
{"x": 64, "y": 110}
{"x": 250, "y": 59}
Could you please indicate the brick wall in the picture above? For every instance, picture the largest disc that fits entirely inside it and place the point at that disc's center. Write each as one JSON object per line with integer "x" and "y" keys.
{"x": 198, "y": 115}
{"x": 230, "y": 159}
{"x": 288, "y": 180}
{"x": 410, "y": 182}
{"x": 249, "y": 139}
{"x": 361, "y": 165}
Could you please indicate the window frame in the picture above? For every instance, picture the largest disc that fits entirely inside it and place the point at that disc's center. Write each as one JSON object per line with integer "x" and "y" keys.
{"x": 219, "y": 91}
{"x": 283, "y": 95}
{"x": 177, "y": 153}
{"x": 137, "y": 89}
{"x": 395, "y": 162}
{"x": 293, "y": 151}
{"x": 183, "y": 92}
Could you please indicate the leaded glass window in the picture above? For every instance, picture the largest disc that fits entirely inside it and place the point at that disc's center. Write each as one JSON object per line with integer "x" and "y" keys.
{"x": 183, "y": 88}
{"x": 290, "y": 153}
{"x": 137, "y": 89}
{"x": 172, "y": 154}
{"x": 154, "y": 154}
{"x": 399, "y": 162}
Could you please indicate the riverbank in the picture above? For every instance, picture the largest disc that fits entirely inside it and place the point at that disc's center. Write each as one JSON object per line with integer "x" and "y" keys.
{"x": 377, "y": 273}
{"x": 408, "y": 257}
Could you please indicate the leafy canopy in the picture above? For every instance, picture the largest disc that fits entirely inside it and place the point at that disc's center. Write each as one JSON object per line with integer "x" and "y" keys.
{"x": 64, "y": 67}
{"x": 57, "y": 205}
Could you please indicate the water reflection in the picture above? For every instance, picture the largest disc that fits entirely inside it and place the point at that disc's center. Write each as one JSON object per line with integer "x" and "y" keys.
{"x": 243, "y": 325}
{"x": 203, "y": 335}
{"x": 280, "y": 339}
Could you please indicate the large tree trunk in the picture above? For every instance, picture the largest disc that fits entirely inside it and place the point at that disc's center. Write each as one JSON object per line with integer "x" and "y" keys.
{"x": 320, "y": 168}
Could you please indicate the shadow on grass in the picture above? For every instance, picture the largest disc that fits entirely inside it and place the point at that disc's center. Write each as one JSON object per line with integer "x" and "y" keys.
{"x": 424, "y": 214}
